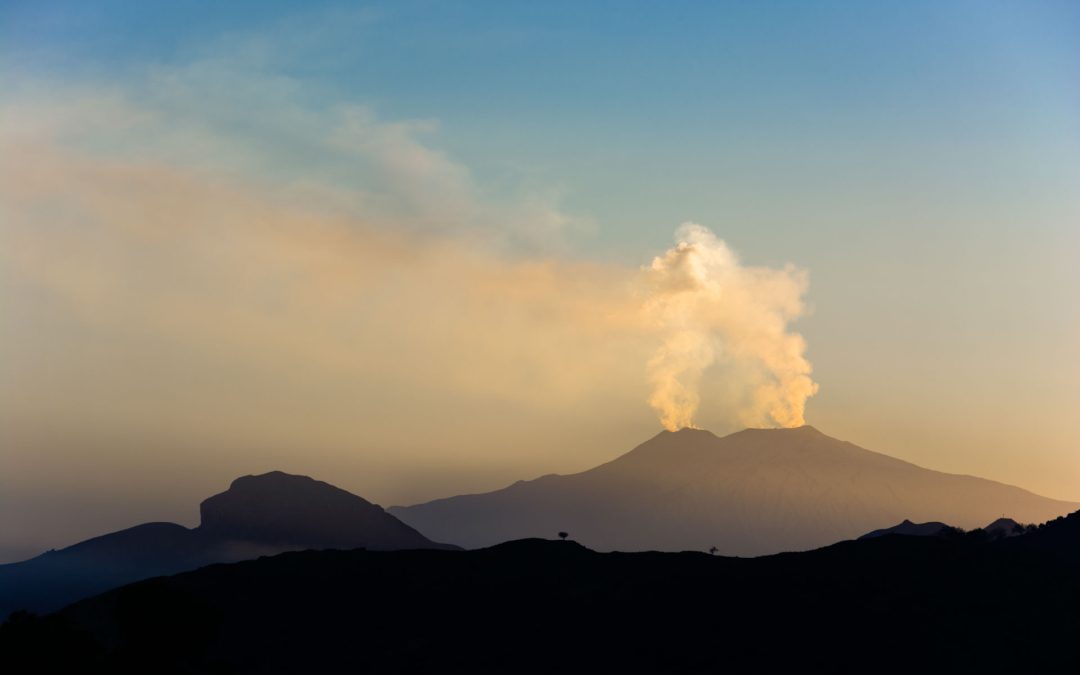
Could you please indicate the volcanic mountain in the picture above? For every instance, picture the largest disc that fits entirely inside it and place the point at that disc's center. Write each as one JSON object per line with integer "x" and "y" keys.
{"x": 754, "y": 492}
{"x": 257, "y": 515}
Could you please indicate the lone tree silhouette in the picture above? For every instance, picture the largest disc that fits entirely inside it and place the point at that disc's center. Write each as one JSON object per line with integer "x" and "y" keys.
{"x": 712, "y": 551}
{"x": 563, "y": 536}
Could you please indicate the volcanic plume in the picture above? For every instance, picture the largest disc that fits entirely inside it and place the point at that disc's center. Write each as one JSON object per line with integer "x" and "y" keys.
{"x": 713, "y": 311}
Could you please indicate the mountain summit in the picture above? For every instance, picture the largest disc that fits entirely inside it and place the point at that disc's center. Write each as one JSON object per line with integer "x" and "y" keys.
{"x": 757, "y": 491}
{"x": 290, "y": 511}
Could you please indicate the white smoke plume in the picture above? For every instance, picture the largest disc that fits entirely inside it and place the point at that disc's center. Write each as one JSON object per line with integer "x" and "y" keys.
{"x": 713, "y": 311}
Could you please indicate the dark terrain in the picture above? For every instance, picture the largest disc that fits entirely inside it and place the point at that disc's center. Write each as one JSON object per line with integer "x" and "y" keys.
{"x": 961, "y": 603}
{"x": 257, "y": 515}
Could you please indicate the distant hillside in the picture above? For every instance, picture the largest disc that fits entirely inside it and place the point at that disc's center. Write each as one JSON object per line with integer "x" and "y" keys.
{"x": 881, "y": 605}
{"x": 257, "y": 515}
{"x": 910, "y": 529}
{"x": 754, "y": 492}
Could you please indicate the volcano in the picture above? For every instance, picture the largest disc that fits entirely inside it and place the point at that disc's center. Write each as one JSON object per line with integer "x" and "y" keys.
{"x": 754, "y": 492}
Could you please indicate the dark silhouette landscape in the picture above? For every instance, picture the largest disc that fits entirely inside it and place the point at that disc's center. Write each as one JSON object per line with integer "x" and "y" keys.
{"x": 893, "y": 603}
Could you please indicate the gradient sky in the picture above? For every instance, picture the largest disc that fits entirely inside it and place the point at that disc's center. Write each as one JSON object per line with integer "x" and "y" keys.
{"x": 388, "y": 245}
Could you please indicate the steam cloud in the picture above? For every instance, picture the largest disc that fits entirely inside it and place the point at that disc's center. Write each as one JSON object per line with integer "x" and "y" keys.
{"x": 713, "y": 311}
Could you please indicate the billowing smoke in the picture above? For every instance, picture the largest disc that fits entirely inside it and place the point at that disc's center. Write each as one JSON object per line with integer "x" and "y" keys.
{"x": 714, "y": 313}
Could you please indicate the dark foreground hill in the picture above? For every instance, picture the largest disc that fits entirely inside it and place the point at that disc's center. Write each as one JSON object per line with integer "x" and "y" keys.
{"x": 887, "y": 604}
{"x": 257, "y": 515}
{"x": 754, "y": 492}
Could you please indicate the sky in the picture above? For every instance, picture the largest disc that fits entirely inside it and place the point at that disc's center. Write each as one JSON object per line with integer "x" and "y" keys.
{"x": 416, "y": 249}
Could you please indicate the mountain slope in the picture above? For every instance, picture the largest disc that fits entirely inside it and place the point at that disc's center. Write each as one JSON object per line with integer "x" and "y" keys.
{"x": 754, "y": 492}
{"x": 257, "y": 515}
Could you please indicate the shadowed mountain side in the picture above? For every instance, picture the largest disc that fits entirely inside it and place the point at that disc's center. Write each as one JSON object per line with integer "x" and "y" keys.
{"x": 887, "y": 604}
{"x": 257, "y": 515}
{"x": 754, "y": 492}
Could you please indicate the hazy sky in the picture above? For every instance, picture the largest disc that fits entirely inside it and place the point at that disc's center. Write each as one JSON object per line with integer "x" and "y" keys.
{"x": 416, "y": 249}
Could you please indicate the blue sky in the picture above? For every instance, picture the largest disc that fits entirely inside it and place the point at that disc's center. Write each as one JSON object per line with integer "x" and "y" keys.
{"x": 771, "y": 120}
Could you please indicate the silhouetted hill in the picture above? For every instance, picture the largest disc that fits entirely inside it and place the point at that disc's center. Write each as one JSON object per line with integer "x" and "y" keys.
{"x": 542, "y": 547}
{"x": 1003, "y": 528}
{"x": 299, "y": 512}
{"x": 887, "y": 604}
{"x": 754, "y": 492}
{"x": 910, "y": 529}
{"x": 257, "y": 515}
{"x": 56, "y": 578}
